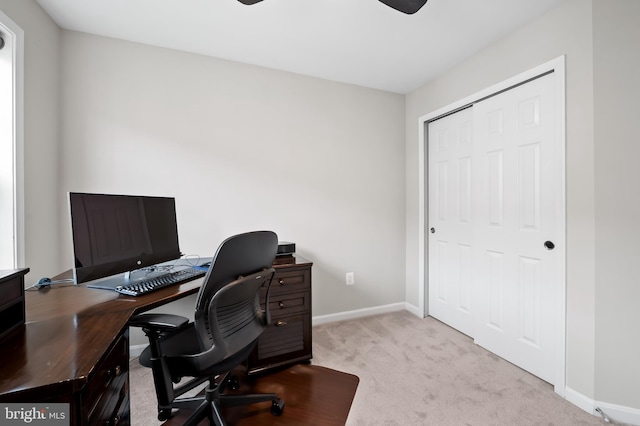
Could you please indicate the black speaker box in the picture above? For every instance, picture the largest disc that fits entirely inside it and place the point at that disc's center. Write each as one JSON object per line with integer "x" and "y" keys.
{"x": 286, "y": 248}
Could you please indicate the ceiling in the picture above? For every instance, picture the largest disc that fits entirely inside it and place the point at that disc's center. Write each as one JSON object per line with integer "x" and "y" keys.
{"x": 362, "y": 42}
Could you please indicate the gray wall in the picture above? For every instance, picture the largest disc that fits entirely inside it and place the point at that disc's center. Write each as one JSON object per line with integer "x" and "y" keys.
{"x": 242, "y": 148}
{"x": 319, "y": 162}
{"x": 599, "y": 39}
{"x": 616, "y": 36}
{"x": 41, "y": 124}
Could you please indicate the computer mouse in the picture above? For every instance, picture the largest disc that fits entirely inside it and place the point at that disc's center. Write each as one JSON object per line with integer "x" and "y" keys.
{"x": 43, "y": 283}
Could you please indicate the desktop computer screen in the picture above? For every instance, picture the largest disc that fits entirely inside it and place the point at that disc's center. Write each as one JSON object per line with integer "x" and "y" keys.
{"x": 113, "y": 234}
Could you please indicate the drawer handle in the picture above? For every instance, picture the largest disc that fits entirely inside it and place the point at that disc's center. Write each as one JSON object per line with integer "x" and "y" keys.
{"x": 281, "y": 281}
{"x": 281, "y": 323}
{"x": 115, "y": 372}
{"x": 281, "y": 305}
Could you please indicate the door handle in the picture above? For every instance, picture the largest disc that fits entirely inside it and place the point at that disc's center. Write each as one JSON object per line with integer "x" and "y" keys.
{"x": 549, "y": 245}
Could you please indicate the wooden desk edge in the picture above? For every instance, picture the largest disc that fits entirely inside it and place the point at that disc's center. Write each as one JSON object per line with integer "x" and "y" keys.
{"x": 69, "y": 330}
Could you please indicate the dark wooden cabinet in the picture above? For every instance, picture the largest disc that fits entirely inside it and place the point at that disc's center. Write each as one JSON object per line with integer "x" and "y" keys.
{"x": 12, "y": 314}
{"x": 287, "y": 339}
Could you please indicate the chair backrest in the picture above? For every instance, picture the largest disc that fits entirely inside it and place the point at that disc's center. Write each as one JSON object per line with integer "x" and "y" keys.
{"x": 239, "y": 255}
{"x": 236, "y": 318}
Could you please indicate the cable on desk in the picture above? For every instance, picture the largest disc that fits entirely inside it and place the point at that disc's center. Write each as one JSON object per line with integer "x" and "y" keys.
{"x": 45, "y": 282}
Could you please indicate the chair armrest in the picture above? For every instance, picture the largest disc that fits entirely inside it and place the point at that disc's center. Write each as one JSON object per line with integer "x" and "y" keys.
{"x": 159, "y": 322}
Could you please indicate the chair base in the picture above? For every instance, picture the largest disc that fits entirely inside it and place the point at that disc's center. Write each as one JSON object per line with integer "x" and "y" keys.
{"x": 210, "y": 405}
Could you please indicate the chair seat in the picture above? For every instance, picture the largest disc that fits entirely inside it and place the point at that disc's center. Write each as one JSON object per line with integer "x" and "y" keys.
{"x": 181, "y": 364}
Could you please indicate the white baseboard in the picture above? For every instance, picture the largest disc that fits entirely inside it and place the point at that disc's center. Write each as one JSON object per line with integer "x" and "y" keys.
{"x": 136, "y": 350}
{"x": 617, "y": 414}
{"x": 358, "y": 313}
{"x": 413, "y": 309}
{"x": 579, "y": 400}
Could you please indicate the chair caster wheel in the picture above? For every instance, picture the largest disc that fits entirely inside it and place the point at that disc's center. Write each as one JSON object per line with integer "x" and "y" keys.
{"x": 234, "y": 383}
{"x": 164, "y": 415}
{"x": 277, "y": 407}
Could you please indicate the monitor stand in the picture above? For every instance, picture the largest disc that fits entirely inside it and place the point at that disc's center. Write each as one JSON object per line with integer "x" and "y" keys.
{"x": 129, "y": 277}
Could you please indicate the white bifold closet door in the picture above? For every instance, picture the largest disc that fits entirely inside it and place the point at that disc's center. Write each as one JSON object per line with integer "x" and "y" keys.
{"x": 451, "y": 221}
{"x": 494, "y": 191}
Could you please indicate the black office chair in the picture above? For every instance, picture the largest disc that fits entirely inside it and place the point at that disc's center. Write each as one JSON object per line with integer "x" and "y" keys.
{"x": 228, "y": 321}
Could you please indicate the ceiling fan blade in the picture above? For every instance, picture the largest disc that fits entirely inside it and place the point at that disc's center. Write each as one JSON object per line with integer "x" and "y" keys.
{"x": 405, "y": 6}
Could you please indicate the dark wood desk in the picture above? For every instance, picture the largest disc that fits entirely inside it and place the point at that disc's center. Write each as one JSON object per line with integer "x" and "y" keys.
{"x": 74, "y": 348}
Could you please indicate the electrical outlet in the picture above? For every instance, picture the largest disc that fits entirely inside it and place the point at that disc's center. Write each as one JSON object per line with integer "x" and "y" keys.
{"x": 350, "y": 278}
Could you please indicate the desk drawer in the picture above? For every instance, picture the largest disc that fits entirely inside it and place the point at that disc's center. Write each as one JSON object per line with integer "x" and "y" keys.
{"x": 12, "y": 290}
{"x": 290, "y": 280}
{"x": 284, "y": 305}
{"x": 107, "y": 390}
{"x": 285, "y": 341}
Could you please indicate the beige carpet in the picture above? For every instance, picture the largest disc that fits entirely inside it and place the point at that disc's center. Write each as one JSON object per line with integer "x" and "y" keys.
{"x": 416, "y": 371}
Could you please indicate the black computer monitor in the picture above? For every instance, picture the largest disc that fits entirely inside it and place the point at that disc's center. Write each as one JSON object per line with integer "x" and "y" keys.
{"x": 115, "y": 234}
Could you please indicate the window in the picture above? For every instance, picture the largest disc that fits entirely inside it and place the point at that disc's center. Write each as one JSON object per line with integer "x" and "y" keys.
{"x": 11, "y": 192}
